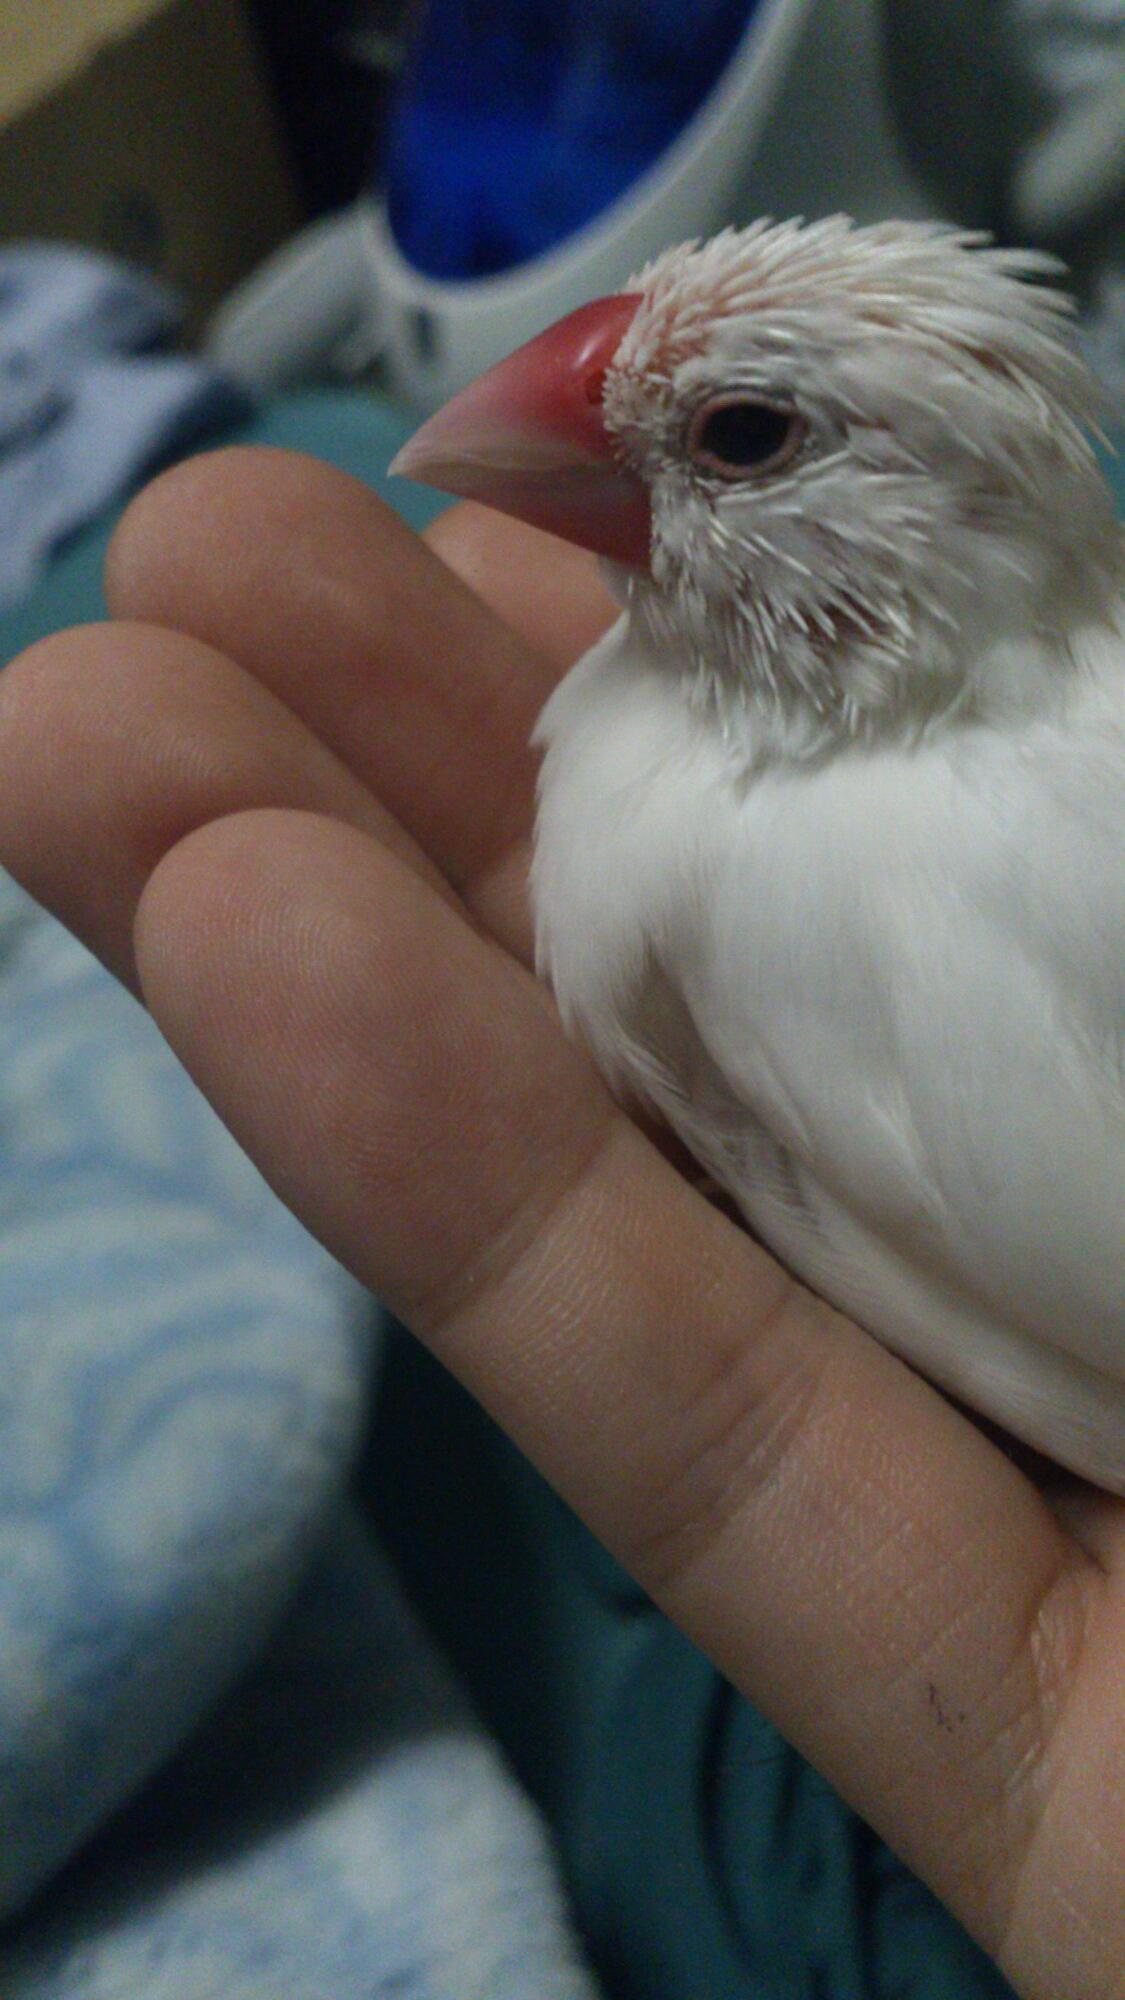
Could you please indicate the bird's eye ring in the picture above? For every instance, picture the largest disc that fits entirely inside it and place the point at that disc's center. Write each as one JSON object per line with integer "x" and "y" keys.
{"x": 737, "y": 436}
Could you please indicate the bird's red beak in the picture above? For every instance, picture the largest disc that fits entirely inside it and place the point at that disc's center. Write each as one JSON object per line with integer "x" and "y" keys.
{"x": 529, "y": 438}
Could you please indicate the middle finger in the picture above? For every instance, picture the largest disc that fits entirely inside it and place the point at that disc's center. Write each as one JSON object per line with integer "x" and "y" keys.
{"x": 316, "y": 588}
{"x": 118, "y": 740}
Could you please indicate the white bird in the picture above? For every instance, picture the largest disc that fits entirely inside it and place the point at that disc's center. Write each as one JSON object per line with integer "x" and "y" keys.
{"x": 830, "y": 855}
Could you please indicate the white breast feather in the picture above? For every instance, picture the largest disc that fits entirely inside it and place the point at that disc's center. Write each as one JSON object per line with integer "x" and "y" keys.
{"x": 883, "y": 1000}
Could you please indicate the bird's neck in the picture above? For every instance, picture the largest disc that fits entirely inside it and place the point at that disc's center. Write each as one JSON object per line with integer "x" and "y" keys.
{"x": 1003, "y": 645}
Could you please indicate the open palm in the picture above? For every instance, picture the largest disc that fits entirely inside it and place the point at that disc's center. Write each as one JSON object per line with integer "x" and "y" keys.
{"x": 287, "y": 797}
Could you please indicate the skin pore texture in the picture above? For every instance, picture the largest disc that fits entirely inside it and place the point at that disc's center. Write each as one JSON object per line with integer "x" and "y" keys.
{"x": 287, "y": 796}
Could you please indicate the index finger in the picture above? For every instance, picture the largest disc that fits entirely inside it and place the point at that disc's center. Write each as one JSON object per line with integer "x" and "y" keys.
{"x": 547, "y": 591}
{"x": 317, "y": 589}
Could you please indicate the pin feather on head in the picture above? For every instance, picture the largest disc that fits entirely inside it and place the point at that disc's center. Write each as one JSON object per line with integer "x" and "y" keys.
{"x": 868, "y": 451}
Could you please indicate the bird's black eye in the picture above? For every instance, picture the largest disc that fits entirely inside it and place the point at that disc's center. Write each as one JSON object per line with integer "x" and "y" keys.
{"x": 739, "y": 435}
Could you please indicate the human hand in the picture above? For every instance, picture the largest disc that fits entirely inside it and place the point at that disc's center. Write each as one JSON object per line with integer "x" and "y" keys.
{"x": 288, "y": 799}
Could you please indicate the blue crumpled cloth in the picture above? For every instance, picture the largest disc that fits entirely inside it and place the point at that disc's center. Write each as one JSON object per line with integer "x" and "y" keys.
{"x": 86, "y": 403}
{"x": 228, "y": 1763}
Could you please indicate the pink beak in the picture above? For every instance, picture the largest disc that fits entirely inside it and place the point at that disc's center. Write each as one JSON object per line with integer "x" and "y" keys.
{"x": 529, "y": 437}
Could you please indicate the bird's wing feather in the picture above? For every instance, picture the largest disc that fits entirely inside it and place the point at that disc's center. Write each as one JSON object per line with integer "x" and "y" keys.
{"x": 883, "y": 1001}
{"x": 913, "y": 975}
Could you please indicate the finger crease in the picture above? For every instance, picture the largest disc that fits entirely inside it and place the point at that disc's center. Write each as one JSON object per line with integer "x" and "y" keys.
{"x": 735, "y": 1443}
{"x": 517, "y": 1234}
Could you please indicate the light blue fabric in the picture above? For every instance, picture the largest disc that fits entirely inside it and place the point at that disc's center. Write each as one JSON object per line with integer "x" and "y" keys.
{"x": 183, "y": 1374}
{"x": 339, "y": 1831}
{"x": 84, "y": 404}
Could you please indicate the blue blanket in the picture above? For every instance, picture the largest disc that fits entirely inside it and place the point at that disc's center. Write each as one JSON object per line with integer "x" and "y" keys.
{"x": 182, "y": 1588}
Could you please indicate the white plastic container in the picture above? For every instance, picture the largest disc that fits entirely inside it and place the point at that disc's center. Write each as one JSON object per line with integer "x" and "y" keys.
{"x": 343, "y": 291}
{"x": 436, "y": 335}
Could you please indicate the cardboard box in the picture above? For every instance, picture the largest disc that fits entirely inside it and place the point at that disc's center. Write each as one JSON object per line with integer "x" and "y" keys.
{"x": 145, "y": 128}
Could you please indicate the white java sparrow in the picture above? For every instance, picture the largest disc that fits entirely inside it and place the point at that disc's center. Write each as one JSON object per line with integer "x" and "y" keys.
{"x": 830, "y": 860}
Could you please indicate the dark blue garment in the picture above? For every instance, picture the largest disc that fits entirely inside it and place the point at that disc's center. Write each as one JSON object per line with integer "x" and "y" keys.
{"x": 520, "y": 120}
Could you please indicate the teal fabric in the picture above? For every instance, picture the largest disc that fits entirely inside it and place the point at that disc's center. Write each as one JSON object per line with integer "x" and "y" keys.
{"x": 705, "y": 1860}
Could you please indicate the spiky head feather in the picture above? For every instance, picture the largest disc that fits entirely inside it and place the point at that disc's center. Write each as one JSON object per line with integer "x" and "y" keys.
{"x": 946, "y": 494}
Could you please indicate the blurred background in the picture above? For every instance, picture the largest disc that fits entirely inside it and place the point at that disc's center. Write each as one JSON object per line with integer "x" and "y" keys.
{"x": 398, "y": 191}
{"x": 241, "y": 1751}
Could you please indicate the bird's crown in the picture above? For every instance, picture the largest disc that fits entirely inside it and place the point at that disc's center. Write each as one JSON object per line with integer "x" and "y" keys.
{"x": 870, "y": 459}
{"x": 924, "y": 292}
